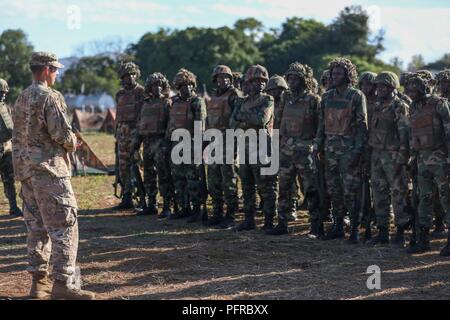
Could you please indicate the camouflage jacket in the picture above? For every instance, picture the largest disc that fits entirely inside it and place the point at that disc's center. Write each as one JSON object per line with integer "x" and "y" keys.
{"x": 310, "y": 118}
{"x": 355, "y": 135}
{"x": 253, "y": 113}
{"x": 129, "y": 103}
{"x": 389, "y": 127}
{"x": 42, "y": 136}
{"x": 440, "y": 123}
{"x": 195, "y": 112}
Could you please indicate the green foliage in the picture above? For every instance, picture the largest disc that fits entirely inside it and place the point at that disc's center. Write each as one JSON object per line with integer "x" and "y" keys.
{"x": 440, "y": 64}
{"x": 95, "y": 74}
{"x": 15, "y": 54}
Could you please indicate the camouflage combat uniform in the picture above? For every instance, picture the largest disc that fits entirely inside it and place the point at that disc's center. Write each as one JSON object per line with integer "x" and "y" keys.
{"x": 183, "y": 114}
{"x": 389, "y": 142}
{"x": 342, "y": 131}
{"x": 297, "y": 131}
{"x": 256, "y": 112}
{"x": 6, "y": 165}
{"x": 129, "y": 103}
{"x": 222, "y": 178}
{"x": 42, "y": 140}
{"x": 152, "y": 132}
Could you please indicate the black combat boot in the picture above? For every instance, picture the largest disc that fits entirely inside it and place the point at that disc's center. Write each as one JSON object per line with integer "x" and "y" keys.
{"x": 423, "y": 245}
{"x": 196, "y": 215}
{"x": 268, "y": 222}
{"x": 14, "y": 209}
{"x": 165, "y": 213}
{"x": 354, "y": 234}
{"x": 445, "y": 252}
{"x": 280, "y": 229}
{"x": 217, "y": 217}
{"x": 126, "y": 203}
{"x": 439, "y": 228}
{"x": 316, "y": 230}
{"x": 336, "y": 231}
{"x": 381, "y": 238}
{"x": 399, "y": 240}
{"x": 149, "y": 211}
{"x": 367, "y": 234}
{"x": 248, "y": 223}
{"x": 181, "y": 214}
{"x": 228, "y": 221}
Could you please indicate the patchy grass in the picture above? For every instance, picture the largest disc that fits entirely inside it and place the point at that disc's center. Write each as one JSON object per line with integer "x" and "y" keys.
{"x": 127, "y": 257}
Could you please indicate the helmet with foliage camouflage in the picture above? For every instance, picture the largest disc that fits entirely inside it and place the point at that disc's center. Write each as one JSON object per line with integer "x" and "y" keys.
{"x": 417, "y": 81}
{"x": 404, "y": 77}
{"x": 276, "y": 81}
{"x": 184, "y": 76}
{"x": 257, "y": 72}
{"x": 221, "y": 69}
{"x": 127, "y": 68}
{"x": 388, "y": 78}
{"x": 4, "y": 86}
{"x": 367, "y": 76}
{"x": 238, "y": 76}
{"x": 444, "y": 75}
{"x": 157, "y": 77}
{"x": 303, "y": 71}
{"x": 348, "y": 66}
{"x": 428, "y": 76}
{"x": 315, "y": 86}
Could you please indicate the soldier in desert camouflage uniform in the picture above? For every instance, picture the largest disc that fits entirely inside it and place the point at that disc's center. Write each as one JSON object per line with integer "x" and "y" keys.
{"x": 6, "y": 166}
{"x": 42, "y": 140}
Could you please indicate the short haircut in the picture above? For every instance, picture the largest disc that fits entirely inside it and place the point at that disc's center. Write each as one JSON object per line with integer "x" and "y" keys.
{"x": 37, "y": 69}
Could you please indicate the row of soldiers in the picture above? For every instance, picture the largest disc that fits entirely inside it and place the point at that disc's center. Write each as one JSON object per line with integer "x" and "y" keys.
{"x": 341, "y": 134}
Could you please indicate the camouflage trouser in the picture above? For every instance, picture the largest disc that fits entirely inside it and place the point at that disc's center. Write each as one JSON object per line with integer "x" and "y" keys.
{"x": 124, "y": 134}
{"x": 294, "y": 164}
{"x": 50, "y": 215}
{"x": 432, "y": 171}
{"x": 344, "y": 182}
{"x": 7, "y": 174}
{"x": 187, "y": 181}
{"x": 251, "y": 178}
{"x": 222, "y": 185}
{"x": 157, "y": 169}
{"x": 389, "y": 187}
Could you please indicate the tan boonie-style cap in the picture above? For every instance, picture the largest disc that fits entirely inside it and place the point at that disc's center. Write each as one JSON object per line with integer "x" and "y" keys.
{"x": 45, "y": 59}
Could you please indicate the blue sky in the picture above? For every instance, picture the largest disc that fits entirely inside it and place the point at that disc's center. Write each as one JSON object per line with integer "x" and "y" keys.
{"x": 411, "y": 26}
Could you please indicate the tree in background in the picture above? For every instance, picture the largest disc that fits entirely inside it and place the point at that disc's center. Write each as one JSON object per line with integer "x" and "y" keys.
{"x": 440, "y": 64}
{"x": 15, "y": 54}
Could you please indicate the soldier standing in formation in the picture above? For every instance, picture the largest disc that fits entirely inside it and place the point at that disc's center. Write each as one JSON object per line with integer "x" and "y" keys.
{"x": 129, "y": 101}
{"x": 429, "y": 143}
{"x": 6, "y": 166}
{"x": 256, "y": 112}
{"x": 151, "y": 131}
{"x": 187, "y": 108}
{"x": 389, "y": 143}
{"x": 222, "y": 178}
{"x": 342, "y": 131}
{"x": 42, "y": 141}
{"x": 298, "y": 128}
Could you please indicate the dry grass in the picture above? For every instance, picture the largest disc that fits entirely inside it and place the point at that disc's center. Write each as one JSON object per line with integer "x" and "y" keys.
{"x": 128, "y": 257}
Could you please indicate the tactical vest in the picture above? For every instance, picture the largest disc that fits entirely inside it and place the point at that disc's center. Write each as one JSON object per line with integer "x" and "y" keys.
{"x": 383, "y": 133}
{"x": 152, "y": 118}
{"x": 338, "y": 114}
{"x": 219, "y": 111}
{"x": 247, "y": 106}
{"x": 426, "y": 127}
{"x": 181, "y": 115}
{"x": 298, "y": 120}
{"x": 126, "y": 107}
{"x": 6, "y": 124}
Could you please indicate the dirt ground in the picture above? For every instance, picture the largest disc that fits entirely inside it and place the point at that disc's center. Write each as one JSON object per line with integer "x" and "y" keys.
{"x": 127, "y": 257}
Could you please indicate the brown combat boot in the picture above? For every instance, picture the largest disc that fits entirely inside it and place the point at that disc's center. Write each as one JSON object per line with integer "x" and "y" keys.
{"x": 62, "y": 291}
{"x": 41, "y": 287}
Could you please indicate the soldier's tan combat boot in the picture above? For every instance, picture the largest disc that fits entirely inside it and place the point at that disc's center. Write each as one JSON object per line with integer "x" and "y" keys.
{"x": 62, "y": 291}
{"x": 41, "y": 287}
